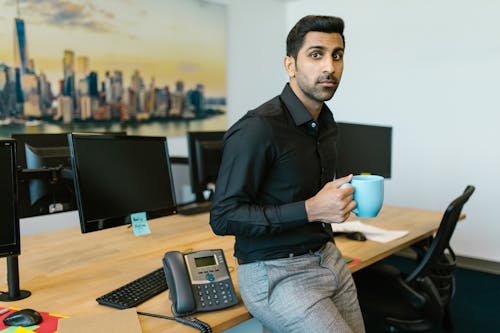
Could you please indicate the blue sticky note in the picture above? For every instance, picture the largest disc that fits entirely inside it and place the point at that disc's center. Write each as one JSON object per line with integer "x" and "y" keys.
{"x": 140, "y": 224}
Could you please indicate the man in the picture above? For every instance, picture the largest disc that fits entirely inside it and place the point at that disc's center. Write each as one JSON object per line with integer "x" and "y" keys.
{"x": 276, "y": 195}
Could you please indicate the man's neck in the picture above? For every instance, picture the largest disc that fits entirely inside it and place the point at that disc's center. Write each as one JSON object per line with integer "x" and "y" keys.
{"x": 313, "y": 107}
{"x": 315, "y": 113}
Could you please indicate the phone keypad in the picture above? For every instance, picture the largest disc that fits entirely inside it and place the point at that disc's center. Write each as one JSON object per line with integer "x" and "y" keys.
{"x": 215, "y": 295}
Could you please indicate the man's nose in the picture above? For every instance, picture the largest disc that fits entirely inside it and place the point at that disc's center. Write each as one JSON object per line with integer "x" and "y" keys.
{"x": 329, "y": 65}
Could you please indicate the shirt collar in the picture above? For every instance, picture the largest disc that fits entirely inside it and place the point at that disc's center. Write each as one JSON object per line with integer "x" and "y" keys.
{"x": 297, "y": 110}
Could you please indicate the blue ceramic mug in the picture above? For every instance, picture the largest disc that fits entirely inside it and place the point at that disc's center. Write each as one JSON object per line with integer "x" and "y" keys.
{"x": 368, "y": 194}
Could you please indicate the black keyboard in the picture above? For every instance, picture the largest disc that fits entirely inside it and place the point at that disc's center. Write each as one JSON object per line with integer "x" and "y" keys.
{"x": 136, "y": 292}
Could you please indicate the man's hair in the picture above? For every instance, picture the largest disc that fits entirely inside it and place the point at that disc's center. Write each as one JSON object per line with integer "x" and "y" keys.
{"x": 320, "y": 23}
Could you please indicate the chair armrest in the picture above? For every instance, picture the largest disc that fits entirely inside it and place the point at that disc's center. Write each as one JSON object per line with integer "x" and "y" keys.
{"x": 424, "y": 295}
{"x": 415, "y": 298}
{"x": 387, "y": 271}
{"x": 435, "y": 306}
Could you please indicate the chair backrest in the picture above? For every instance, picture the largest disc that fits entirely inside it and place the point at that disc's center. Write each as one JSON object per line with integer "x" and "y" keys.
{"x": 440, "y": 243}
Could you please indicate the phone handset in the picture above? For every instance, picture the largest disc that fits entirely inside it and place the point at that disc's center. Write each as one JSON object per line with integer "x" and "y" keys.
{"x": 198, "y": 281}
{"x": 179, "y": 283}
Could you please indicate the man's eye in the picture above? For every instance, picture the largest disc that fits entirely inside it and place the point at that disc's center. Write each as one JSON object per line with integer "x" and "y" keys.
{"x": 315, "y": 55}
{"x": 338, "y": 56}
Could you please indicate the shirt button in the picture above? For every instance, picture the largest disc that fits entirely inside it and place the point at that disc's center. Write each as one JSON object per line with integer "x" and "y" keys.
{"x": 313, "y": 125}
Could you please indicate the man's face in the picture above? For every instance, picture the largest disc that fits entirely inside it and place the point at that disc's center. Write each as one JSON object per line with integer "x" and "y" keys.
{"x": 315, "y": 74}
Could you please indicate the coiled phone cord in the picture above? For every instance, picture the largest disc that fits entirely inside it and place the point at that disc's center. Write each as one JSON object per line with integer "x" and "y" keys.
{"x": 193, "y": 322}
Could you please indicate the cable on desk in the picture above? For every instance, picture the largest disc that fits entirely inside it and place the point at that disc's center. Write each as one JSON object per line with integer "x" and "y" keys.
{"x": 193, "y": 322}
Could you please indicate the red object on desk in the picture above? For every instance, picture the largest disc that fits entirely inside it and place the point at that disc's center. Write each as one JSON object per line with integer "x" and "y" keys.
{"x": 351, "y": 261}
{"x": 48, "y": 324}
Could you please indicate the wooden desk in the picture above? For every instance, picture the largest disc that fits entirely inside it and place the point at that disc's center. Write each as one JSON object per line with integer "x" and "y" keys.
{"x": 66, "y": 270}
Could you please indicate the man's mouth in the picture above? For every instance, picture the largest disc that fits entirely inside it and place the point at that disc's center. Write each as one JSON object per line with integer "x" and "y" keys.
{"x": 328, "y": 83}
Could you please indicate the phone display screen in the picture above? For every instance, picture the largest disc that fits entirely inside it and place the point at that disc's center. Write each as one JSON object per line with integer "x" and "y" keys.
{"x": 204, "y": 261}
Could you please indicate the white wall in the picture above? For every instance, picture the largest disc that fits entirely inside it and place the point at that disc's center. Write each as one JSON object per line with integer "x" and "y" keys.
{"x": 256, "y": 48}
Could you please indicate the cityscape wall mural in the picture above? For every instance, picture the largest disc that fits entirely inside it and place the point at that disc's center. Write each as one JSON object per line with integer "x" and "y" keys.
{"x": 144, "y": 66}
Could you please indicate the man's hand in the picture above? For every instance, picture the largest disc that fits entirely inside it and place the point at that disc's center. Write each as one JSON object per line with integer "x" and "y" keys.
{"x": 333, "y": 203}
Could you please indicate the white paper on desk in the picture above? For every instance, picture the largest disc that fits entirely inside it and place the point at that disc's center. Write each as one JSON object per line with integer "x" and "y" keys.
{"x": 372, "y": 233}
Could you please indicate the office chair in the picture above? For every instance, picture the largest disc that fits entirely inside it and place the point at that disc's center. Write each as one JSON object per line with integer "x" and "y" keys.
{"x": 418, "y": 301}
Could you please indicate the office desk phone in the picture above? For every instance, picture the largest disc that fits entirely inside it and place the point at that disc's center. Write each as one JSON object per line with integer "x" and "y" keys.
{"x": 198, "y": 281}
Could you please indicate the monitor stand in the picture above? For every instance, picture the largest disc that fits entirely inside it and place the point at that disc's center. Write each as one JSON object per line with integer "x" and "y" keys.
{"x": 14, "y": 294}
{"x": 194, "y": 208}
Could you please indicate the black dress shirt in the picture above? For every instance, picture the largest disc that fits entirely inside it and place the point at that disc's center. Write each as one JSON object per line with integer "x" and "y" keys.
{"x": 275, "y": 157}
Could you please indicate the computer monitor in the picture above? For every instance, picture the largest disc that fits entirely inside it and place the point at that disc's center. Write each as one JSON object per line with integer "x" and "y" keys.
{"x": 116, "y": 176}
{"x": 364, "y": 149}
{"x": 45, "y": 178}
{"x": 205, "y": 155}
{"x": 10, "y": 240}
{"x": 9, "y": 222}
{"x": 42, "y": 160}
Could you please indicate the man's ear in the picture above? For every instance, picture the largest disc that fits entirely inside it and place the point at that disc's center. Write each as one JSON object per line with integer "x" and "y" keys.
{"x": 289, "y": 62}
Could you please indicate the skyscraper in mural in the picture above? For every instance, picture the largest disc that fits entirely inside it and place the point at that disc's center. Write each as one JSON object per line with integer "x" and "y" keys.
{"x": 25, "y": 81}
{"x": 20, "y": 44}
